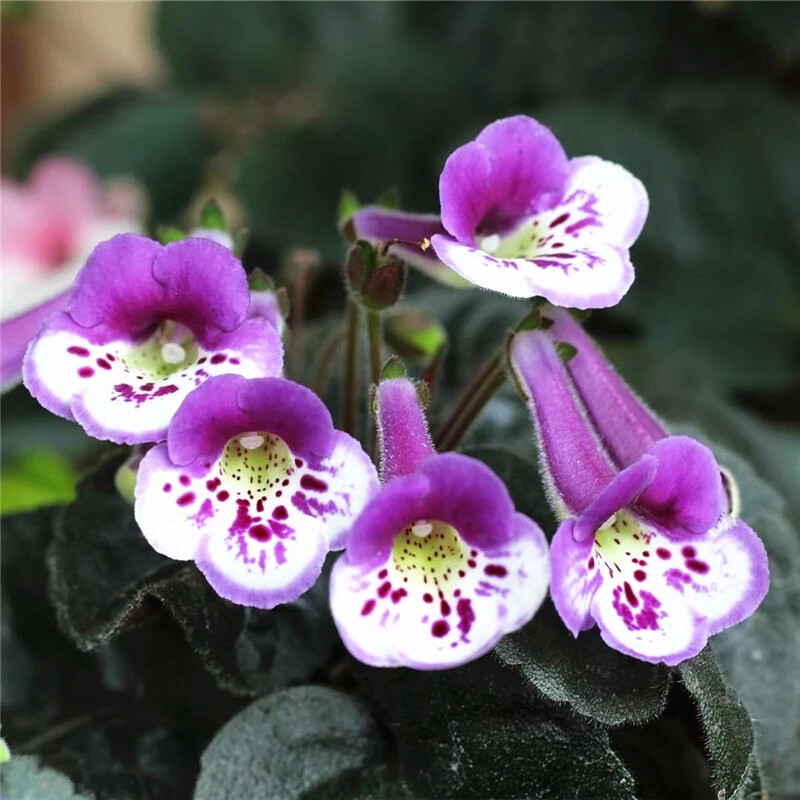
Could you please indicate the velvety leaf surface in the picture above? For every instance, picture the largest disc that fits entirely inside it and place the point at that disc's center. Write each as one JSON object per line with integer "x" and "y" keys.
{"x": 22, "y": 778}
{"x": 478, "y": 731}
{"x": 105, "y": 576}
{"x": 288, "y": 744}
{"x": 594, "y": 679}
{"x": 726, "y": 723}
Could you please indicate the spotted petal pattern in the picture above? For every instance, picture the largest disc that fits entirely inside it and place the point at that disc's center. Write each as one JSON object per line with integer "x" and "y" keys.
{"x": 257, "y": 516}
{"x": 438, "y": 568}
{"x": 144, "y": 326}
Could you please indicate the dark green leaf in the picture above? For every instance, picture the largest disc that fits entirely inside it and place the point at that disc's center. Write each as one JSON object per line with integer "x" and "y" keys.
{"x": 477, "y": 732}
{"x": 24, "y": 779}
{"x": 726, "y": 723}
{"x": 104, "y": 576}
{"x": 288, "y": 744}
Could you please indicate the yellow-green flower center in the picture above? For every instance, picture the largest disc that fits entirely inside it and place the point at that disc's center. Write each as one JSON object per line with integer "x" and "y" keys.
{"x": 257, "y": 459}
{"x": 430, "y": 549}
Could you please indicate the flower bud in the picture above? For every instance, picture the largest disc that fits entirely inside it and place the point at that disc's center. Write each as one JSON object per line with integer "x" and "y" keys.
{"x": 376, "y": 281}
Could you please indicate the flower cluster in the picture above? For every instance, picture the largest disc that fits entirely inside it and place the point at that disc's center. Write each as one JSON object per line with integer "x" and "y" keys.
{"x": 174, "y": 347}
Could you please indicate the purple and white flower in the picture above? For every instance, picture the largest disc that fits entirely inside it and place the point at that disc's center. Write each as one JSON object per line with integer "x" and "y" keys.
{"x": 519, "y": 217}
{"x": 439, "y": 566}
{"x": 649, "y": 546}
{"x": 145, "y": 325}
{"x": 255, "y": 485}
{"x": 50, "y": 225}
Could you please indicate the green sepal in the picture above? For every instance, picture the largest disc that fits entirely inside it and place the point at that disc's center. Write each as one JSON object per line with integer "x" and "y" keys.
{"x": 389, "y": 199}
{"x": 170, "y": 233}
{"x": 348, "y": 205}
{"x": 211, "y": 216}
{"x": 259, "y": 281}
{"x": 393, "y": 368}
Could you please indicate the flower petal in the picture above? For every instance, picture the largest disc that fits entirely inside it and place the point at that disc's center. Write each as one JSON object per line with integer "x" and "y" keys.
{"x": 392, "y": 615}
{"x": 131, "y": 282}
{"x": 18, "y": 332}
{"x": 81, "y": 374}
{"x": 575, "y": 578}
{"x": 257, "y": 520}
{"x": 377, "y": 225}
{"x": 652, "y": 626}
{"x": 724, "y": 576}
{"x": 621, "y": 492}
{"x": 605, "y": 197}
{"x": 687, "y": 495}
{"x": 625, "y": 424}
{"x": 579, "y": 277}
{"x": 661, "y": 599}
{"x": 404, "y": 439}
{"x": 576, "y": 465}
{"x": 510, "y": 170}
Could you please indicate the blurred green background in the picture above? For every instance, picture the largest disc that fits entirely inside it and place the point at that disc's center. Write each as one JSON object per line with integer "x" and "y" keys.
{"x": 275, "y": 108}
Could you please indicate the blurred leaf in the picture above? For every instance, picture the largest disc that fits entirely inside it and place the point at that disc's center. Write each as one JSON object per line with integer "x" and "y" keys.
{"x": 348, "y": 205}
{"x": 24, "y": 779}
{"x": 35, "y": 479}
{"x": 778, "y": 23}
{"x": 476, "y": 731}
{"x": 211, "y": 216}
{"x": 288, "y": 745}
{"x": 749, "y": 342}
{"x": 585, "y": 672}
{"x": 316, "y": 162}
{"x": 232, "y": 46}
{"x": 726, "y": 723}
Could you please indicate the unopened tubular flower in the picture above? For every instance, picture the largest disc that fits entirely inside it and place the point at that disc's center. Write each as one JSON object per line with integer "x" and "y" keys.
{"x": 145, "y": 325}
{"x": 648, "y": 548}
{"x": 519, "y": 217}
{"x": 439, "y": 565}
{"x": 255, "y": 485}
{"x": 50, "y": 225}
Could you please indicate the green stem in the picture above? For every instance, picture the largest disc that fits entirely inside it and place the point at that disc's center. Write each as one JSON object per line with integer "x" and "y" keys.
{"x": 322, "y": 369}
{"x": 375, "y": 339}
{"x": 350, "y": 386}
{"x": 475, "y": 396}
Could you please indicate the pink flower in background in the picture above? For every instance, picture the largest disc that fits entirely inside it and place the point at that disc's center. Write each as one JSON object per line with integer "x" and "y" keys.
{"x": 50, "y": 225}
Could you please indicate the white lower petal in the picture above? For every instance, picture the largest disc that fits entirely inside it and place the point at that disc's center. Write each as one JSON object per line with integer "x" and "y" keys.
{"x": 405, "y": 613}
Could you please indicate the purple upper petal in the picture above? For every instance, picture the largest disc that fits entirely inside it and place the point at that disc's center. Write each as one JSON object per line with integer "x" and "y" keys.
{"x": 508, "y": 172}
{"x": 625, "y": 424}
{"x": 229, "y": 405}
{"x": 574, "y": 459}
{"x": 130, "y": 283}
{"x": 450, "y": 488}
{"x": 404, "y": 438}
{"x": 686, "y": 495}
{"x": 621, "y": 492}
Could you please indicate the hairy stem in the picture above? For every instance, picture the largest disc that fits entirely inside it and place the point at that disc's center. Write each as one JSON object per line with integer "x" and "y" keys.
{"x": 476, "y": 395}
{"x": 349, "y": 410}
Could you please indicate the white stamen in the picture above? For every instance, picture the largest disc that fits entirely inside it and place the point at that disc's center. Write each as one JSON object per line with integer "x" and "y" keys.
{"x": 421, "y": 528}
{"x": 250, "y": 441}
{"x": 172, "y": 353}
{"x": 490, "y": 243}
{"x": 609, "y": 522}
